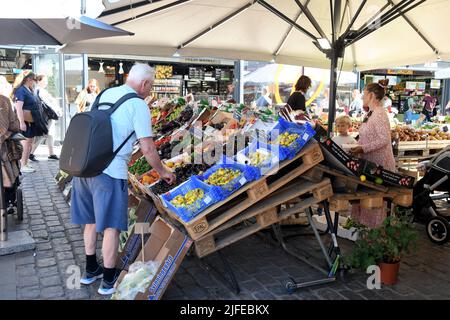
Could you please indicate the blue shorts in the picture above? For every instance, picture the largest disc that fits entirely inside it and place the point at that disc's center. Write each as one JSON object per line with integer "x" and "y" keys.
{"x": 100, "y": 200}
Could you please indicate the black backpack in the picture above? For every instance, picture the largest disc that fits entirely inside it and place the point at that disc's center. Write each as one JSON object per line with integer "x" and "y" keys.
{"x": 88, "y": 145}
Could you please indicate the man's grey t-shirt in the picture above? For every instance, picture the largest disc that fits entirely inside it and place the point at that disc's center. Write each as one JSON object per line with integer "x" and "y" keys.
{"x": 132, "y": 115}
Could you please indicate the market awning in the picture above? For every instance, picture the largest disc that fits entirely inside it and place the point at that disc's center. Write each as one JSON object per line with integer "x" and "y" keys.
{"x": 285, "y": 31}
{"x": 55, "y": 31}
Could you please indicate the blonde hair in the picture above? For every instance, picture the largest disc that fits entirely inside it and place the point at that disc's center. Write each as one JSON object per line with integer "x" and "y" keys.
{"x": 344, "y": 119}
{"x": 5, "y": 87}
{"x": 97, "y": 89}
{"x": 22, "y": 78}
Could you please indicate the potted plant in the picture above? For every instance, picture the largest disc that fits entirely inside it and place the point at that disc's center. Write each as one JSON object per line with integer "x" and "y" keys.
{"x": 384, "y": 246}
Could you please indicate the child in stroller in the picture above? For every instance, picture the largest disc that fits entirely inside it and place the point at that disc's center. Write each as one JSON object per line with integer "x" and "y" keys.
{"x": 434, "y": 186}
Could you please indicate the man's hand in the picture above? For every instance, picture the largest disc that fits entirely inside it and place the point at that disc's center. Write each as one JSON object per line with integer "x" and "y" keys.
{"x": 168, "y": 176}
{"x": 356, "y": 150}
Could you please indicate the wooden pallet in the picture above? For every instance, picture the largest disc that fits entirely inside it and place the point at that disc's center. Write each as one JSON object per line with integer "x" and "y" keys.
{"x": 253, "y": 192}
{"x": 351, "y": 183}
{"x": 264, "y": 214}
{"x": 420, "y": 148}
{"x": 370, "y": 199}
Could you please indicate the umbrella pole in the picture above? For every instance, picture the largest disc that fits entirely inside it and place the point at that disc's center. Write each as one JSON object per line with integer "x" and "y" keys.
{"x": 333, "y": 91}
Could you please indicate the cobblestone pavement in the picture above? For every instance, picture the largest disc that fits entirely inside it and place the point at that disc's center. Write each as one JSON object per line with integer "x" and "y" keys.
{"x": 260, "y": 266}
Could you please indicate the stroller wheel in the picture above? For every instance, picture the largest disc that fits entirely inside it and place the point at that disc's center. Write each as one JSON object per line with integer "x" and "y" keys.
{"x": 438, "y": 230}
{"x": 19, "y": 201}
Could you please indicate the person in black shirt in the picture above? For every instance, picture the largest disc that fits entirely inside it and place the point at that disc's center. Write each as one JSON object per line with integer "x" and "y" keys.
{"x": 297, "y": 99}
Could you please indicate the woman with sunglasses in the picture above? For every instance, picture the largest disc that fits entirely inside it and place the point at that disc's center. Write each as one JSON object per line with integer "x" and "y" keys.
{"x": 374, "y": 145}
{"x": 24, "y": 98}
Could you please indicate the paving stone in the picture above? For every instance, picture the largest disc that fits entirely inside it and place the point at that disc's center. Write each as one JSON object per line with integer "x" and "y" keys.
{"x": 45, "y": 254}
{"x": 44, "y": 246}
{"x": 25, "y": 270}
{"x": 28, "y": 293}
{"x": 40, "y": 234}
{"x": 58, "y": 235}
{"x": 195, "y": 293}
{"x": 51, "y": 218}
{"x": 52, "y": 292}
{"x": 35, "y": 222}
{"x": 27, "y": 281}
{"x": 48, "y": 271}
{"x": 46, "y": 262}
{"x": 56, "y": 229}
{"x": 25, "y": 260}
{"x": 51, "y": 281}
{"x": 66, "y": 255}
{"x": 38, "y": 227}
{"x": 351, "y": 295}
{"x": 63, "y": 247}
{"x": 79, "y": 243}
{"x": 251, "y": 285}
{"x": 263, "y": 295}
{"x": 328, "y": 294}
{"x": 78, "y": 294}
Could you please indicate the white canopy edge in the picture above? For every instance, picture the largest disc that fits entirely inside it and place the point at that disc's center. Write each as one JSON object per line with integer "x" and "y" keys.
{"x": 145, "y": 50}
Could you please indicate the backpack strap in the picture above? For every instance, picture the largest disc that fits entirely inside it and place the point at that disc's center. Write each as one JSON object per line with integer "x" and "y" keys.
{"x": 119, "y": 102}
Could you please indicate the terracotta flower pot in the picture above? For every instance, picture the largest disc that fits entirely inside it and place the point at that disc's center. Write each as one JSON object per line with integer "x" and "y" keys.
{"x": 389, "y": 272}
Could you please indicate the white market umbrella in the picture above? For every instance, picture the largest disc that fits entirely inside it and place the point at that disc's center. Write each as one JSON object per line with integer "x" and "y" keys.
{"x": 54, "y": 31}
{"x": 374, "y": 33}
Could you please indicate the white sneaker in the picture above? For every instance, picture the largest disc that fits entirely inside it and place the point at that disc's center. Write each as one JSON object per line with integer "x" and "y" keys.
{"x": 27, "y": 169}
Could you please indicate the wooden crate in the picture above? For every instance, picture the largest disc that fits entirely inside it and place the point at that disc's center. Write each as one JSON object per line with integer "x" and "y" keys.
{"x": 251, "y": 193}
{"x": 264, "y": 214}
{"x": 370, "y": 199}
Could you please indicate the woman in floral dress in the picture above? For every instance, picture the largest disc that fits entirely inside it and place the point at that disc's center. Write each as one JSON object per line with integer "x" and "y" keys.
{"x": 374, "y": 145}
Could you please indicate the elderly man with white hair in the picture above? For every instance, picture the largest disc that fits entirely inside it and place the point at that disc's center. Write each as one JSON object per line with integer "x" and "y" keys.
{"x": 100, "y": 203}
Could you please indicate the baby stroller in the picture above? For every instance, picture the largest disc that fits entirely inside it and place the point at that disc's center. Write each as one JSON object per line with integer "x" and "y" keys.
{"x": 431, "y": 190}
{"x": 11, "y": 198}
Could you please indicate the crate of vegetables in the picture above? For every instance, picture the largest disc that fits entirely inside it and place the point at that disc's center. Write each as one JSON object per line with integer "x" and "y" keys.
{"x": 229, "y": 176}
{"x": 290, "y": 137}
{"x": 139, "y": 167}
{"x": 191, "y": 197}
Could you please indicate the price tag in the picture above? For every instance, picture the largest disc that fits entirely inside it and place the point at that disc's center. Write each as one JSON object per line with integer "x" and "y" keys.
{"x": 237, "y": 115}
{"x": 242, "y": 181}
{"x": 208, "y": 199}
{"x": 305, "y": 136}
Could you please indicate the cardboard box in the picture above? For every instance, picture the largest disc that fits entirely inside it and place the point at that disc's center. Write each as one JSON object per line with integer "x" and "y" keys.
{"x": 145, "y": 212}
{"x": 374, "y": 172}
{"x": 167, "y": 246}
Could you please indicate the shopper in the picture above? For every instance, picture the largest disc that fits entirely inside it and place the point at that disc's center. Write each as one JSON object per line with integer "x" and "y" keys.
{"x": 87, "y": 96}
{"x": 343, "y": 125}
{"x": 46, "y": 97}
{"x": 9, "y": 124}
{"x": 264, "y": 101}
{"x": 429, "y": 104}
{"x": 356, "y": 106}
{"x": 374, "y": 145}
{"x": 25, "y": 100}
{"x": 297, "y": 100}
{"x": 387, "y": 103}
{"x": 100, "y": 203}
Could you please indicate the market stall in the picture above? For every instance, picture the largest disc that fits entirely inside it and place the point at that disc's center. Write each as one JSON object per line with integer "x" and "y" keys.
{"x": 263, "y": 173}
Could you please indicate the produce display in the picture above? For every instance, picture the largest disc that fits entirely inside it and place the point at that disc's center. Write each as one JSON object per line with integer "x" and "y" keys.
{"x": 256, "y": 158}
{"x": 410, "y": 134}
{"x": 149, "y": 178}
{"x": 350, "y": 223}
{"x": 189, "y": 198}
{"x": 222, "y": 177}
{"x": 138, "y": 278}
{"x": 285, "y": 139}
{"x": 140, "y": 167}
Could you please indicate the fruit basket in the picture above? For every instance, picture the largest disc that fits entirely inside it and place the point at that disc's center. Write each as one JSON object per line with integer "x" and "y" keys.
{"x": 191, "y": 197}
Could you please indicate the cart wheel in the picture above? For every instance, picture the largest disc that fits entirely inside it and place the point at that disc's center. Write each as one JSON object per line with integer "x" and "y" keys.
{"x": 291, "y": 286}
{"x": 438, "y": 230}
{"x": 19, "y": 203}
